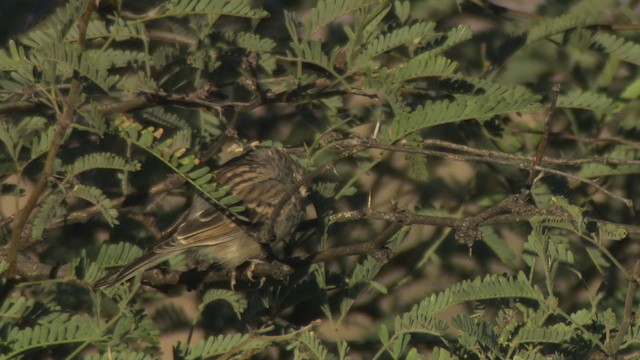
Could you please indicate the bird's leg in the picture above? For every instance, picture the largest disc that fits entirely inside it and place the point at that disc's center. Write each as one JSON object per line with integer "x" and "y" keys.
{"x": 252, "y": 266}
{"x": 234, "y": 275}
{"x": 248, "y": 272}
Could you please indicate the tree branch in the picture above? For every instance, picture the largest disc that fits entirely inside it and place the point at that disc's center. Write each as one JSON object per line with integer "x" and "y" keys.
{"x": 545, "y": 137}
{"x": 64, "y": 120}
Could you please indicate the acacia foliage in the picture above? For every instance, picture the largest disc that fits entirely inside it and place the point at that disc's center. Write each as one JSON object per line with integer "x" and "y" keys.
{"x": 161, "y": 82}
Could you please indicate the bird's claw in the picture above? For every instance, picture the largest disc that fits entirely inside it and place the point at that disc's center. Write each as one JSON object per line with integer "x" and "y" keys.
{"x": 248, "y": 272}
{"x": 252, "y": 266}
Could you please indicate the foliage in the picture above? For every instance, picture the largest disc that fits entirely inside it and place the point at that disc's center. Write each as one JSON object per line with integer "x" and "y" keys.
{"x": 446, "y": 103}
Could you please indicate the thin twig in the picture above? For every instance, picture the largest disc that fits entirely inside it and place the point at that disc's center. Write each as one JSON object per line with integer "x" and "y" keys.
{"x": 366, "y": 247}
{"x": 8, "y": 107}
{"x": 546, "y": 160}
{"x": 521, "y": 213}
{"x": 529, "y": 16}
{"x": 545, "y": 137}
{"x": 612, "y": 347}
{"x": 504, "y": 161}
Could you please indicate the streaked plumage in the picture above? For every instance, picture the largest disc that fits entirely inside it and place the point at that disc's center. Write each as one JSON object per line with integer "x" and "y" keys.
{"x": 266, "y": 179}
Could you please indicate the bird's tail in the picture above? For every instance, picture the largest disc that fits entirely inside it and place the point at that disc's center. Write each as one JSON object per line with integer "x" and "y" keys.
{"x": 139, "y": 265}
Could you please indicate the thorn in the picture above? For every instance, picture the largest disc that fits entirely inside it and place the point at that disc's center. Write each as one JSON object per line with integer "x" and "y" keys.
{"x": 377, "y": 129}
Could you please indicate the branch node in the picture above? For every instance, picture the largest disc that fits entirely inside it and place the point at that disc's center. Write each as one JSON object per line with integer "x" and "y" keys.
{"x": 468, "y": 232}
{"x": 382, "y": 255}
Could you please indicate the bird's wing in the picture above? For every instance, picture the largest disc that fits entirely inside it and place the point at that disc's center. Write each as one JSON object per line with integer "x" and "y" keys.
{"x": 259, "y": 191}
{"x": 144, "y": 262}
{"x": 262, "y": 206}
{"x": 206, "y": 227}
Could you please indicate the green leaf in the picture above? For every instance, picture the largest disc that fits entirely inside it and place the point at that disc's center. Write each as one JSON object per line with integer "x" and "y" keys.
{"x": 620, "y": 152}
{"x": 494, "y": 101}
{"x": 13, "y": 309}
{"x": 556, "y": 334}
{"x": 556, "y": 25}
{"x": 413, "y": 35}
{"x": 239, "y": 8}
{"x": 119, "y": 254}
{"x": 237, "y": 302}
{"x": 10, "y": 137}
{"x": 49, "y": 209}
{"x": 311, "y": 346}
{"x": 216, "y": 345}
{"x": 617, "y": 47}
{"x": 587, "y": 100}
{"x": 421, "y": 67}
{"x": 609, "y": 231}
{"x": 489, "y": 287}
{"x": 329, "y": 10}
{"x": 165, "y": 118}
{"x": 251, "y": 41}
{"x": 99, "y": 199}
{"x": 498, "y": 245}
{"x": 598, "y": 259}
{"x": 479, "y": 329}
{"x": 77, "y": 329}
{"x": 418, "y": 167}
{"x": 100, "y": 161}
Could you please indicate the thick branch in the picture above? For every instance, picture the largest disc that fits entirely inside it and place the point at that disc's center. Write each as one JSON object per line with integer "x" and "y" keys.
{"x": 509, "y": 210}
{"x": 61, "y": 126}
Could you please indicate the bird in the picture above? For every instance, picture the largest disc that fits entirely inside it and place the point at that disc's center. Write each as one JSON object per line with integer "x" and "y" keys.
{"x": 268, "y": 182}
